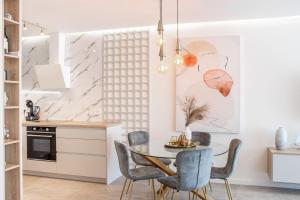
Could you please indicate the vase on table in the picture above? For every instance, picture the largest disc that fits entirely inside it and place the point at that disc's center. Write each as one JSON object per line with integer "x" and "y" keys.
{"x": 188, "y": 134}
{"x": 281, "y": 138}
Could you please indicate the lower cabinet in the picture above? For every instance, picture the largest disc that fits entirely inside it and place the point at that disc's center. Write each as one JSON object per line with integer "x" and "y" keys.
{"x": 81, "y": 165}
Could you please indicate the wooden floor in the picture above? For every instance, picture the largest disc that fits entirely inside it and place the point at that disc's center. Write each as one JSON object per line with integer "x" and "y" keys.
{"x": 38, "y": 188}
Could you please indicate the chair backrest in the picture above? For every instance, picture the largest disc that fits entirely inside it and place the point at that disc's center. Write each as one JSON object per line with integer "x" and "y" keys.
{"x": 193, "y": 168}
{"x": 234, "y": 149}
{"x": 138, "y": 137}
{"x": 203, "y": 137}
{"x": 123, "y": 158}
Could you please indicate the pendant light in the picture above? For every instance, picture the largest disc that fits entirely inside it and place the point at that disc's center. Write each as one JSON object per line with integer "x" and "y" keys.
{"x": 178, "y": 57}
{"x": 162, "y": 66}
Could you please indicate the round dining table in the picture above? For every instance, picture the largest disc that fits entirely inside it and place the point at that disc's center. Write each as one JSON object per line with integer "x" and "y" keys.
{"x": 156, "y": 149}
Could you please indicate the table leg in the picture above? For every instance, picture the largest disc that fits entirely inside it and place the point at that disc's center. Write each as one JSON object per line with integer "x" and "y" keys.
{"x": 159, "y": 164}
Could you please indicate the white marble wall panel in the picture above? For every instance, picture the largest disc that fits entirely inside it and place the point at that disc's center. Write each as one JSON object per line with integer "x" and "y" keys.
{"x": 83, "y": 101}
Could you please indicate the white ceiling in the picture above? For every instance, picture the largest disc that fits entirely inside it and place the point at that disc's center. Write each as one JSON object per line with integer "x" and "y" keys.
{"x": 86, "y": 15}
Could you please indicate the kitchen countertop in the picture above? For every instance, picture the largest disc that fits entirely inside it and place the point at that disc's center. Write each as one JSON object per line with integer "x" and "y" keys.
{"x": 54, "y": 123}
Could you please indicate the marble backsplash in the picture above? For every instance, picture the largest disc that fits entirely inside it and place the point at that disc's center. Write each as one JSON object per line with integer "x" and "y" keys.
{"x": 83, "y": 102}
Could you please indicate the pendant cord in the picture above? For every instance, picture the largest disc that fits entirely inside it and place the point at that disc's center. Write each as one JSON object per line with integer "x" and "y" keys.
{"x": 177, "y": 20}
{"x": 160, "y": 12}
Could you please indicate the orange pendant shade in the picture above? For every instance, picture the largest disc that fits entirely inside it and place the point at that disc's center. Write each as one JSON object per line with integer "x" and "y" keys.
{"x": 189, "y": 60}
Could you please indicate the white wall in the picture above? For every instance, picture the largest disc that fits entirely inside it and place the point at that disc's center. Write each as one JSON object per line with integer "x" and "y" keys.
{"x": 270, "y": 88}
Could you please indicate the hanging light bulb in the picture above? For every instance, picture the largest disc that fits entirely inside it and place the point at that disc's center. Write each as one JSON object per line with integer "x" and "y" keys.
{"x": 25, "y": 27}
{"x": 178, "y": 58}
{"x": 162, "y": 67}
{"x": 42, "y": 32}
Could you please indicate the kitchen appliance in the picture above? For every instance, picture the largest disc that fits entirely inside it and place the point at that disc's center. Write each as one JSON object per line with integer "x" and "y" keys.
{"x": 33, "y": 114}
{"x": 41, "y": 143}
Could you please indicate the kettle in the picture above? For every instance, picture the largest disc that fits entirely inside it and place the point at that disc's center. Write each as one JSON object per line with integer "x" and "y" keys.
{"x": 33, "y": 114}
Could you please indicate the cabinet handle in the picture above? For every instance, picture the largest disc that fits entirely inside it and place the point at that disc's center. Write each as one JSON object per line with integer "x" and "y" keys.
{"x": 43, "y": 136}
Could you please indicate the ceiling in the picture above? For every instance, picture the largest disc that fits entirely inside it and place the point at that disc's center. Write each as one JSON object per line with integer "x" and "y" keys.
{"x": 87, "y": 15}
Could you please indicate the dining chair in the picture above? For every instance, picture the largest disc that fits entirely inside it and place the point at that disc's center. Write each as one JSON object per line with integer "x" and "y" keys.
{"x": 225, "y": 172}
{"x": 138, "y": 138}
{"x": 136, "y": 174}
{"x": 193, "y": 171}
{"x": 203, "y": 138}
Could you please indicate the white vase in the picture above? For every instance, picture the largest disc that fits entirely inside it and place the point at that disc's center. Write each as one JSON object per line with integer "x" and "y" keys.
{"x": 188, "y": 133}
{"x": 281, "y": 138}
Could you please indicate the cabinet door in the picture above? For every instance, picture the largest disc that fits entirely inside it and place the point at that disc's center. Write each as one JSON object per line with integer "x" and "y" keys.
{"x": 81, "y": 133}
{"x": 286, "y": 168}
{"x": 81, "y": 165}
{"x": 80, "y": 146}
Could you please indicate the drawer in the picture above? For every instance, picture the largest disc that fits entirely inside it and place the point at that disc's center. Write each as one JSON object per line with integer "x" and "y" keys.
{"x": 80, "y": 133}
{"x": 80, "y": 146}
{"x": 39, "y": 166}
{"x": 81, "y": 165}
{"x": 286, "y": 168}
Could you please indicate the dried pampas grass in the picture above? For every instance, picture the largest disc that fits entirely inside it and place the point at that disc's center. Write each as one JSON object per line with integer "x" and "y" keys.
{"x": 192, "y": 111}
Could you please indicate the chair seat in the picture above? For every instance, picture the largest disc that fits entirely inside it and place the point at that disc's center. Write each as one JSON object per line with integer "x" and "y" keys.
{"x": 145, "y": 173}
{"x": 140, "y": 160}
{"x": 219, "y": 173}
{"x": 170, "y": 181}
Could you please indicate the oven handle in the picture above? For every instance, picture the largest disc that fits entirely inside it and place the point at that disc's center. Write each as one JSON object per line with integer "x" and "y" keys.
{"x": 43, "y": 136}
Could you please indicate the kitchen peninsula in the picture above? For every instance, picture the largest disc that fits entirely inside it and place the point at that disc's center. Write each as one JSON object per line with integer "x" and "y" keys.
{"x": 71, "y": 150}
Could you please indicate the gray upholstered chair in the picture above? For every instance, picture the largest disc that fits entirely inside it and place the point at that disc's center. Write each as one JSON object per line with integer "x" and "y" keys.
{"x": 193, "y": 170}
{"x": 137, "y": 174}
{"x": 203, "y": 138}
{"x": 142, "y": 137}
{"x": 225, "y": 172}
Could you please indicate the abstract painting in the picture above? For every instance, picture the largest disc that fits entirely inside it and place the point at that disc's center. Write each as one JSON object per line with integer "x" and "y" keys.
{"x": 210, "y": 73}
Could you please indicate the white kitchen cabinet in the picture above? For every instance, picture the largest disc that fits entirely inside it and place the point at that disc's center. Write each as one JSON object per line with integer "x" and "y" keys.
{"x": 81, "y": 165}
{"x": 83, "y": 153}
{"x": 284, "y": 165}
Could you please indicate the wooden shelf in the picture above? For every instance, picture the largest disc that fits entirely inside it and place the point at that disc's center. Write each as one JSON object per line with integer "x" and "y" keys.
{"x": 11, "y": 56}
{"x": 10, "y": 166}
{"x": 11, "y": 82}
{"x": 8, "y": 22}
{"x": 11, "y": 107}
{"x": 11, "y": 141}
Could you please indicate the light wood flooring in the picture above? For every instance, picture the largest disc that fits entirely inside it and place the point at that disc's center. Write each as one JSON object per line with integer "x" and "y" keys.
{"x": 38, "y": 188}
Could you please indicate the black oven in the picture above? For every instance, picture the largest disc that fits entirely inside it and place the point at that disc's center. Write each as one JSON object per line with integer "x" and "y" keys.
{"x": 41, "y": 143}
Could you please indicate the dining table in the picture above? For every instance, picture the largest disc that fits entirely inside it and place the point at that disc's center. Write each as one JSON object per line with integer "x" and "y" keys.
{"x": 157, "y": 148}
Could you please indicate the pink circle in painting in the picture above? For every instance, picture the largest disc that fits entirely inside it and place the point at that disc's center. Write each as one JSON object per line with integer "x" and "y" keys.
{"x": 218, "y": 79}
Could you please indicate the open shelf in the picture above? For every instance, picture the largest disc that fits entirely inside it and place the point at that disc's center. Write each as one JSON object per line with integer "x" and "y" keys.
{"x": 11, "y": 82}
{"x": 11, "y": 107}
{"x": 9, "y": 22}
{"x": 11, "y": 141}
{"x": 10, "y": 166}
{"x": 8, "y": 55}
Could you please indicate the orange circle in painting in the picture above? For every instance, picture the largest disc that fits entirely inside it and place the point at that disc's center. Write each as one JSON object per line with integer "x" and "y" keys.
{"x": 189, "y": 60}
{"x": 218, "y": 79}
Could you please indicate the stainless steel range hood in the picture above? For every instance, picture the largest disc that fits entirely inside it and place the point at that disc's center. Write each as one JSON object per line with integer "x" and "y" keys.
{"x": 55, "y": 75}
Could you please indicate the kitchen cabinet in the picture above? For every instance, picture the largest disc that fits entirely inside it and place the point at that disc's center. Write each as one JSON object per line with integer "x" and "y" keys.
{"x": 83, "y": 153}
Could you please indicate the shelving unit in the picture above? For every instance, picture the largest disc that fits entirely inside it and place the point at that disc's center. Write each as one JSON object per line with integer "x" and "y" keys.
{"x": 12, "y": 113}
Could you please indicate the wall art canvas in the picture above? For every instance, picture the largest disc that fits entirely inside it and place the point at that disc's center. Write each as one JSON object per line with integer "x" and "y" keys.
{"x": 211, "y": 74}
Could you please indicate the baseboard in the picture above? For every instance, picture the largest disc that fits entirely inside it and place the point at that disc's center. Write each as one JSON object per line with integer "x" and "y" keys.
{"x": 236, "y": 181}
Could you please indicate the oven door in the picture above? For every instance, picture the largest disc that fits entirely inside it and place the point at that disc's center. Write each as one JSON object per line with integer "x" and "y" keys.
{"x": 41, "y": 146}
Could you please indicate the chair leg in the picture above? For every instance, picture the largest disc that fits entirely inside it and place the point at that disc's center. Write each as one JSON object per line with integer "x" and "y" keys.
{"x": 123, "y": 188}
{"x": 153, "y": 187}
{"x": 189, "y": 195}
{"x": 204, "y": 192}
{"x": 173, "y": 194}
{"x": 209, "y": 183}
{"x": 129, "y": 184}
{"x": 130, "y": 193}
{"x": 228, "y": 189}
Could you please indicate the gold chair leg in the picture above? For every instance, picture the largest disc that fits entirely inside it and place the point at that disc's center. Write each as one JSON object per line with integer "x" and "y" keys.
{"x": 129, "y": 184}
{"x": 189, "y": 195}
{"x": 123, "y": 188}
{"x": 153, "y": 187}
{"x": 228, "y": 189}
{"x": 204, "y": 192}
{"x": 130, "y": 193}
{"x": 173, "y": 194}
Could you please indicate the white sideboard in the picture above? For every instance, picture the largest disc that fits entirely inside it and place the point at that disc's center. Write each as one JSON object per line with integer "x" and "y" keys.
{"x": 83, "y": 153}
{"x": 284, "y": 165}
